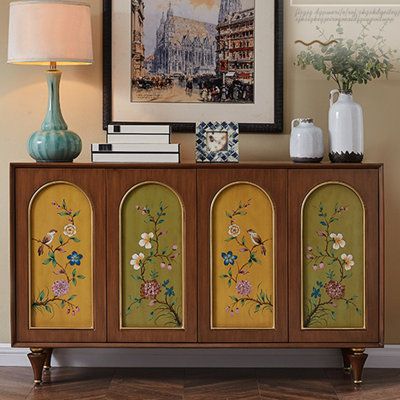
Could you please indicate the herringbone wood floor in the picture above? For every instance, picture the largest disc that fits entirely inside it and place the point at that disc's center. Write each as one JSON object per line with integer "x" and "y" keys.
{"x": 198, "y": 384}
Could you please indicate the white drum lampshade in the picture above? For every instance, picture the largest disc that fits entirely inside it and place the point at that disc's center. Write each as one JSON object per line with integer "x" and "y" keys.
{"x": 44, "y": 31}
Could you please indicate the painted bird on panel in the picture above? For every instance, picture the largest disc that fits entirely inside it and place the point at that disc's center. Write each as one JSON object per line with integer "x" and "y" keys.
{"x": 256, "y": 239}
{"x": 47, "y": 239}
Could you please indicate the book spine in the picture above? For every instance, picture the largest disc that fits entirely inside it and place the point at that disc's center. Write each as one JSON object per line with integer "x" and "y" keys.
{"x": 135, "y": 148}
{"x": 136, "y": 158}
{"x": 138, "y": 139}
{"x": 140, "y": 129}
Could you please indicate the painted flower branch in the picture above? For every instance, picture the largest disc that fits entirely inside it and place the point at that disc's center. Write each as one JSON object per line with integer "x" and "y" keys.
{"x": 56, "y": 250}
{"x": 237, "y": 268}
{"x": 325, "y": 295}
{"x": 161, "y": 296}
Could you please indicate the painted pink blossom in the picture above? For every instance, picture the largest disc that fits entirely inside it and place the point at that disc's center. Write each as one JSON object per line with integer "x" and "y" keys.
{"x": 60, "y": 288}
{"x": 335, "y": 290}
{"x": 75, "y": 311}
{"x": 243, "y": 288}
{"x": 150, "y": 289}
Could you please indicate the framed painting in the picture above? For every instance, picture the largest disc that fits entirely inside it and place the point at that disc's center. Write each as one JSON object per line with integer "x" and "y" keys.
{"x": 184, "y": 61}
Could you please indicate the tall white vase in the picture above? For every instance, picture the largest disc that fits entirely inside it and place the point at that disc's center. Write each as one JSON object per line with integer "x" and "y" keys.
{"x": 346, "y": 129}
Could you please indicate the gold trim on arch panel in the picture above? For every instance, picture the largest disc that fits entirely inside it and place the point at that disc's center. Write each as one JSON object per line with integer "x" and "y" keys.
{"x": 183, "y": 212}
{"x": 92, "y": 327}
{"x": 212, "y": 327}
{"x": 302, "y": 257}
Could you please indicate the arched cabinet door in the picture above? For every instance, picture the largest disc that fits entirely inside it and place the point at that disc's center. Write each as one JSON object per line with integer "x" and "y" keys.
{"x": 242, "y": 265}
{"x": 334, "y": 256}
{"x": 60, "y": 256}
{"x": 152, "y": 258}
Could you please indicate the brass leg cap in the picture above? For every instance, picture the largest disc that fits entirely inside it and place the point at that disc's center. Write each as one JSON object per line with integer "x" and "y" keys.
{"x": 357, "y": 382}
{"x": 46, "y": 368}
{"x": 37, "y": 381}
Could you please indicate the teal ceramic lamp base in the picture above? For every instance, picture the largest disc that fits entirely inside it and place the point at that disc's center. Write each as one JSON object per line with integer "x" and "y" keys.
{"x": 54, "y": 142}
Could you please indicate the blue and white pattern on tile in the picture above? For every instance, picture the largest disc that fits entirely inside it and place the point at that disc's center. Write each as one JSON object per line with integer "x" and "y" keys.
{"x": 203, "y": 153}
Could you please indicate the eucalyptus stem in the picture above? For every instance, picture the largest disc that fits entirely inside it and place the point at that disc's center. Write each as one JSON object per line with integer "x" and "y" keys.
{"x": 349, "y": 62}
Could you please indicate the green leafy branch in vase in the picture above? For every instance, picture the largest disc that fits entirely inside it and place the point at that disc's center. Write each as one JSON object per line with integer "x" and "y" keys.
{"x": 158, "y": 293}
{"x": 325, "y": 295}
{"x": 253, "y": 248}
{"x": 66, "y": 266}
{"x": 347, "y": 61}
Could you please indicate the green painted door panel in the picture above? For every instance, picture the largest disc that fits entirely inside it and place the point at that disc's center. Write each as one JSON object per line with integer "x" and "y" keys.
{"x": 151, "y": 224}
{"x": 333, "y": 258}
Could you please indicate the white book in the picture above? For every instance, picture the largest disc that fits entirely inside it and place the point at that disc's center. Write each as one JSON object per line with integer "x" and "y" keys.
{"x": 124, "y": 138}
{"x": 135, "y": 158}
{"x": 135, "y": 148}
{"x": 140, "y": 129}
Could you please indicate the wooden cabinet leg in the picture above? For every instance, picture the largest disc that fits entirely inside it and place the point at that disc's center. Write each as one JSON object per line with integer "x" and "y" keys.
{"x": 37, "y": 357}
{"x": 47, "y": 364}
{"x": 357, "y": 359}
{"x": 346, "y": 360}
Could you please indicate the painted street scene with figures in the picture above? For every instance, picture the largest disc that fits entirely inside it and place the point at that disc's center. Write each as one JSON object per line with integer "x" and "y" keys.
{"x": 193, "y": 51}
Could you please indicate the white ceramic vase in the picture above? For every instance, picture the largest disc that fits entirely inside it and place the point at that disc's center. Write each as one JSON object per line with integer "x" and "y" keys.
{"x": 346, "y": 129}
{"x": 306, "y": 141}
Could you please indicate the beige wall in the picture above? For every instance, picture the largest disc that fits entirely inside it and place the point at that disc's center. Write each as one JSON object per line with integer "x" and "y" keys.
{"x": 23, "y": 102}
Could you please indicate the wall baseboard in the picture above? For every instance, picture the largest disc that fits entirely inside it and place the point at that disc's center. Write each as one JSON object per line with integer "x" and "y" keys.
{"x": 388, "y": 357}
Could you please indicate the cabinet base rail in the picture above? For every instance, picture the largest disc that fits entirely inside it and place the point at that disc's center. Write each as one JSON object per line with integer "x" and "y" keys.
{"x": 353, "y": 362}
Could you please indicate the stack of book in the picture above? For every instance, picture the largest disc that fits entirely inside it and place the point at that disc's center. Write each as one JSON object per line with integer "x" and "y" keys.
{"x": 137, "y": 144}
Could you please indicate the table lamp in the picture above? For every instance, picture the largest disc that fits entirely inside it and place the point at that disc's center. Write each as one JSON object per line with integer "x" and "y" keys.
{"x": 46, "y": 32}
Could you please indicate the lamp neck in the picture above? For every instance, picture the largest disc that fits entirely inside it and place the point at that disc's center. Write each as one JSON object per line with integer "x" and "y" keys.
{"x": 54, "y": 119}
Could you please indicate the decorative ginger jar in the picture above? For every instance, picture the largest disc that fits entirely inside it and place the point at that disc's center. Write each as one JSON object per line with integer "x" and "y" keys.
{"x": 306, "y": 141}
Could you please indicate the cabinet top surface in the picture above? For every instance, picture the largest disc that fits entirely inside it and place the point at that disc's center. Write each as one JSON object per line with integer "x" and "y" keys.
{"x": 245, "y": 165}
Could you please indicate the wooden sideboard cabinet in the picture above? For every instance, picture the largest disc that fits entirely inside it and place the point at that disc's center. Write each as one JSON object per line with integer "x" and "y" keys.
{"x": 197, "y": 256}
